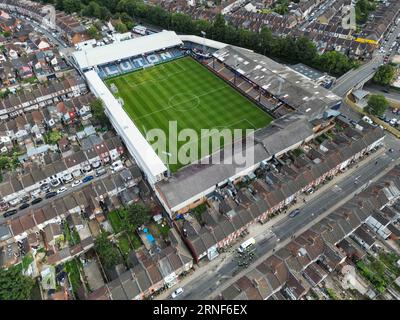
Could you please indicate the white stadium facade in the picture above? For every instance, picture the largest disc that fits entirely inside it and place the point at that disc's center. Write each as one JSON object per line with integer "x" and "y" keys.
{"x": 90, "y": 60}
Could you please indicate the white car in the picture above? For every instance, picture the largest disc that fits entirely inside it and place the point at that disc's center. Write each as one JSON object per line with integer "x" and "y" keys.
{"x": 61, "y": 190}
{"x": 177, "y": 293}
{"x": 76, "y": 183}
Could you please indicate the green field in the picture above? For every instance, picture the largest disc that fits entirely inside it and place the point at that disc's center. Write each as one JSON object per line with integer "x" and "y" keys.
{"x": 186, "y": 92}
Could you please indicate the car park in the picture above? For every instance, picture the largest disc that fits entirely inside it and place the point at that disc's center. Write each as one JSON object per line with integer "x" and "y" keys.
{"x": 87, "y": 179}
{"x": 177, "y": 293}
{"x": 50, "y": 194}
{"x": 37, "y": 200}
{"x": 61, "y": 190}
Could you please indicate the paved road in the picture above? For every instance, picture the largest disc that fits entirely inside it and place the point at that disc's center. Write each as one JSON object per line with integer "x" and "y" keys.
{"x": 316, "y": 13}
{"x": 212, "y": 281}
{"x": 392, "y": 95}
{"x": 366, "y": 71}
{"x": 357, "y": 76}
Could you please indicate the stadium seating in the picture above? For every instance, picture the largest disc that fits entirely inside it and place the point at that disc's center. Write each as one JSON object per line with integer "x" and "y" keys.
{"x": 138, "y": 62}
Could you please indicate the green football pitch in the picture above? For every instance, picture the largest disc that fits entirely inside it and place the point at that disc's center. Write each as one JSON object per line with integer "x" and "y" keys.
{"x": 186, "y": 92}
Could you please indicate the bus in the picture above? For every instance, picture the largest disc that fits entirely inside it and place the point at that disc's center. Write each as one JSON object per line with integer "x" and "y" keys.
{"x": 245, "y": 245}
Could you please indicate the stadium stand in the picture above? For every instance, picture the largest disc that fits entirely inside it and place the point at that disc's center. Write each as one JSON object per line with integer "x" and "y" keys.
{"x": 262, "y": 76}
{"x": 138, "y": 62}
{"x": 126, "y": 56}
{"x": 152, "y": 166}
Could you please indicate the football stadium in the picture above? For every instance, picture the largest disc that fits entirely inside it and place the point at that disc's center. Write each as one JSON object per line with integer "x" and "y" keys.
{"x": 148, "y": 82}
{"x": 186, "y": 92}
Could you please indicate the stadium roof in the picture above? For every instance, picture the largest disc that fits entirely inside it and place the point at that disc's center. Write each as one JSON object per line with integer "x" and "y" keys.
{"x": 203, "y": 41}
{"x": 91, "y": 57}
{"x": 137, "y": 145}
{"x": 282, "y": 82}
{"x": 195, "y": 180}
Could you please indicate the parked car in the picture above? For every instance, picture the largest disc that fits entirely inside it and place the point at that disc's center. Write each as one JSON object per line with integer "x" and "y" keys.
{"x": 310, "y": 191}
{"x": 76, "y": 183}
{"x": 177, "y": 293}
{"x": 10, "y": 213}
{"x": 24, "y": 206}
{"x": 37, "y": 200}
{"x": 50, "y": 194}
{"x": 25, "y": 199}
{"x": 61, "y": 190}
{"x": 87, "y": 179}
{"x": 100, "y": 172}
{"x": 44, "y": 186}
{"x": 294, "y": 213}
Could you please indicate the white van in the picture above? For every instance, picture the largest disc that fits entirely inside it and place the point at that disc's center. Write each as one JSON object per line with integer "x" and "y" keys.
{"x": 367, "y": 120}
{"x": 245, "y": 245}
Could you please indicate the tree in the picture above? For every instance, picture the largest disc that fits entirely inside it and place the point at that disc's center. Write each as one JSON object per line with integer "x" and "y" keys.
{"x": 14, "y": 285}
{"x": 97, "y": 108}
{"x": 219, "y": 28}
{"x": 92, "y": 9}
{"x": 108, "y": 253}
{"x": 334, "y": 63}
{"x": 385, "y": 75}
{"x": 71, "y": 6}
{"x": 377, "y": 105}
{"x": 7, "y": 33}
{"x": 93, "y": 32}
{"x": 137, "y": 215}
{"x": 363, "y": 9}
{"x": 127, "y": 20}
{"x": 4, "y": 162}
{"x": 121, "y": 27}
{"x": 306, "y": 50}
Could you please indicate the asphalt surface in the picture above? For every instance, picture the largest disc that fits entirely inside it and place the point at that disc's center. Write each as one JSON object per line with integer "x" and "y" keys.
{"x": 357, "y": 76}
{"x": 392, "y": 95}
{"x": 365, "y": 72}
{"x": 210, "y": 283}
